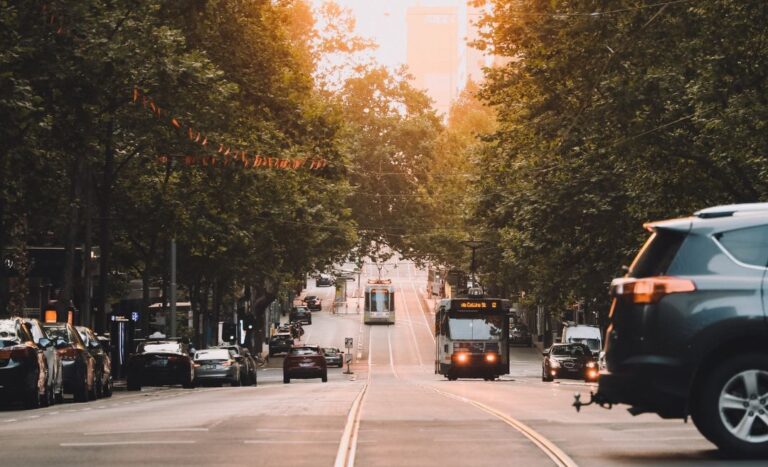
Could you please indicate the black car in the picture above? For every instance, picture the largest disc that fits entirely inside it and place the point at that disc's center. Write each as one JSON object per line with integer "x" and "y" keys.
{"x": 160, "y": 363}
{"x": 243, "y": 355}
{"x": 333, "y": 357}
{"x": 103, "y": 369}
{"x": 688, "y": 332}
{"x": 280, "y": 343}
{"x": 569, "y": 361}
{"x": 313, "y": 302}
{"x": 55, "y": 383}
{"x": 23, "y": 366}
{"x": 519, "y": 335}
{"x": 77, "y": 362}
{"x": 324, "y": 280}
{"x": 299, "y": 314}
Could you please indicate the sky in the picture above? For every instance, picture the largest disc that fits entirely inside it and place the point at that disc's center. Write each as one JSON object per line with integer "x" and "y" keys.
{"x": 384, "y": 22}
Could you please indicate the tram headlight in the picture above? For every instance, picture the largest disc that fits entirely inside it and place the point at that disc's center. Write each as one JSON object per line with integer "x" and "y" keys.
{"x": 462, "y": 357}
{"x": 490, "y": 357}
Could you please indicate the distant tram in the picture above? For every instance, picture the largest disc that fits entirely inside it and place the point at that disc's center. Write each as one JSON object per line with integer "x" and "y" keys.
{"x": 471, "y": 338}
{"x": 379, "y": 302}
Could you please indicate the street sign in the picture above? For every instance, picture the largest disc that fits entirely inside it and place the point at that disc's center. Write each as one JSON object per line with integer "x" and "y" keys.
{"x": 349, "y": 358}
{"x": 348, "y": 342}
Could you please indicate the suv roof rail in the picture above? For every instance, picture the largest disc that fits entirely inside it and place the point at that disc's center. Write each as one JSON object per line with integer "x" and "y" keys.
{"x": 730, "y": 209}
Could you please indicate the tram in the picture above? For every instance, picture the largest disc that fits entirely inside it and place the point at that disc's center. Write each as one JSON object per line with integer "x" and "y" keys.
{"x": 471, "y": 338}
{"x": 379, "y": 302}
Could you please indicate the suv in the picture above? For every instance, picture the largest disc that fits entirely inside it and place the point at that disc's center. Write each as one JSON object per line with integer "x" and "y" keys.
{"x": 688, "y": 332}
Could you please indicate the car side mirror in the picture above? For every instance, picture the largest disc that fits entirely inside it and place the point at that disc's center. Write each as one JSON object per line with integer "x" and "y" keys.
{"x": 61, "y": 344}
{"x": 44, "y": 343}
{"x": 545, "y": 353}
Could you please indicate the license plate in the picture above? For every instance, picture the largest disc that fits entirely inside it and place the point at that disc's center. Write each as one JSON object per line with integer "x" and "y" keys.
{"x": 305, "y": 364}
{"x": 209, "y": 367}
{"x": 158, "y": 363}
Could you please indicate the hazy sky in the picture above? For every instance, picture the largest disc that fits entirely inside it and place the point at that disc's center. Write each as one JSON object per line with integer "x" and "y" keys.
{"x": 384, "y": 22}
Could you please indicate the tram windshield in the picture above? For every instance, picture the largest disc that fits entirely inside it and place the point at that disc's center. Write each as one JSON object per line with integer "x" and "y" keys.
{"x": 485, "y": 328}
{"x": 379, "y": 300}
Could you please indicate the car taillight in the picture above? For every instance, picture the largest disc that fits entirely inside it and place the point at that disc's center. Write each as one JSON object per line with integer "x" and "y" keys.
{"x": 649, "y": 290}
{"x": 70, "y": 353}
{"x": 18, "y": 352}
{"x": 490, "y": 357}
{"x": 227, "y": 363}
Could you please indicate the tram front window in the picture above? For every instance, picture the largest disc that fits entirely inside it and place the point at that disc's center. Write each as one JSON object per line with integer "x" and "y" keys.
{"x": 379, "y": 300}
{"x": 487, "y": 328}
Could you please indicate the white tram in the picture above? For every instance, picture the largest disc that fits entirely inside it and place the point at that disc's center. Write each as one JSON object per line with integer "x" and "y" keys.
{"x": 471, "y": 338}
{"x": 379, "y": 302}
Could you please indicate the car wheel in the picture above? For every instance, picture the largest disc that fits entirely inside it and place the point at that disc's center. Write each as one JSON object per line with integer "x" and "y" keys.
{"x": 286, "y": 379}
{"x": 546, "y": 377}
{"x": 98, "y": 386}
{"x": 59, "y": 397}
{"x": 189, "y": 383}
{"x": 732, "y": 407}
{"x": 107, "y": 392}
{"x": 132, "y": 385}
{"x": 324, "y": 378}
{"x": 81, "y": 392}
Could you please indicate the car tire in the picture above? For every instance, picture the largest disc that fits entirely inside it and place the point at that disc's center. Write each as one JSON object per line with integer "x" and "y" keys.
{"x": 546, "y": 378}
{"x": 59, "y": 397}
{"x": 81, "y": 392}
{"x": 32, "y": 398}
{"x": 98, "y": 387}
{"x": 718, "y": 409}
{"x": 324, "y": 378}
{"x": 107, "y": 391}
{"x": 132, "y": 385}
{"x": 286, "y": 379}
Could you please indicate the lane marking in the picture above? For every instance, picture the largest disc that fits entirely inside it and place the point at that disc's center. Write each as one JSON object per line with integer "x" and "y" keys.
{"x": 345, "y": 456}
{"x": 391, "y": 357}
{"x": 123, "y": 443}
{"x": 410, "y": 326}
{"x": 284, "y": 441}
{"x": 557, "y": 455}
{"x": 423, "y": 313}
{"x": 292, "y": 430}
{"x": 156, "y": 430}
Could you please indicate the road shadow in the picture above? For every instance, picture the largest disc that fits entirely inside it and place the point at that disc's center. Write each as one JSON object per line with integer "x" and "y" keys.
{"x": 712, "y": 457}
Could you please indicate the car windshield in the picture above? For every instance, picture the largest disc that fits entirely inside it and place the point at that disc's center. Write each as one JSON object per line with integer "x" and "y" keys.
{"x": 569, "y": 350}
{"x": 213, "y": 354}
{"x": 331, "y": 351}
{"x": 167, "y": 347}
{"x": 593, "y": 344}
{"x": 309, "y": 298}
{"x": 58, "y": 332}
{"x": 486, "y": 328}
{"x": 304, "y": 351}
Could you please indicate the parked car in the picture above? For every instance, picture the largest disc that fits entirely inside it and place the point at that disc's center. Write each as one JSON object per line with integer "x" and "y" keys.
{"x": 103, "y": 368}
{"x": 313, "y": 302}
{"x": 300, "y": 314}
{"x": 519, "y": 335}
{"x": 23, "y": 366}
{"x": 303, "y": 362}
{"x": 688, "y": 330}
{"x": 280, "y": 343}
{"x": 78, "y": 365}
{"x": 55, "y": 382}
{"x": 160, "y": 362}
{"x": 324, "y": 280}
{"x": 333, "y": 357}
{"x": 243, "y": 355}
{"x": 569, "y": 361}
{"x": 218, "y": 366}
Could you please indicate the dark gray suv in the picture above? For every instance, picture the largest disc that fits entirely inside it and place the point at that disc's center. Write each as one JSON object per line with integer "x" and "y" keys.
{"x": 688, "y": 332}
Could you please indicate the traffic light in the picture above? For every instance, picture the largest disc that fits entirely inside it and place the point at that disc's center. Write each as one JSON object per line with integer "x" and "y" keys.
{"x": 249, "y": 322}
{"x": 229, "y": 332}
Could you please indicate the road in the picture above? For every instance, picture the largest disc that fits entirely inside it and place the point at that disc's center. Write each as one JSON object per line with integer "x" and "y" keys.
{"x": 392, "y": 411}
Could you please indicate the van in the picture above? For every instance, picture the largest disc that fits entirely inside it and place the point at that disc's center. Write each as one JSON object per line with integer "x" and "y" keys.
{"x": 583, "y": 334}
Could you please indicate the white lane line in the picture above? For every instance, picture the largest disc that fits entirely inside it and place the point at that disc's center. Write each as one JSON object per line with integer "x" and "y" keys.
{"x": 10, "y": 420}
{"x": 410, "y": 326}
{"x": 557, "y": 455}
{"x": 423, "y": 313}
{"x": 156, "y": 430}
{"x": 292, "y": 430}
{"x": 52, "y": 413}
{"x": 124, "y": 443}
{"x": 29, "y": 417}
{"x": 391, "y": 357}
{"x": 284, "y": 441}
{"x": 345, "y": 455}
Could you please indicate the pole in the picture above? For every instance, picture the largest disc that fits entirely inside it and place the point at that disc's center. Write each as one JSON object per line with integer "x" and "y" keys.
{"x": 172, "y": 294}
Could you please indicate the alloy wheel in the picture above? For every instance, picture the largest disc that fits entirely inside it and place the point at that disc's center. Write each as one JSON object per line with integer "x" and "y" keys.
{"x": 743, "y": 406}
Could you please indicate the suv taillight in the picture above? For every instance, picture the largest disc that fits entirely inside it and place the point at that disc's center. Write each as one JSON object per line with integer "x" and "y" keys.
{"x": 650, "y": 290}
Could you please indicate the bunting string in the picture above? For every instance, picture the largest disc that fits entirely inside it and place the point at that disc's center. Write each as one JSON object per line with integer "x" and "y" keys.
{"x": 226, "y": 155}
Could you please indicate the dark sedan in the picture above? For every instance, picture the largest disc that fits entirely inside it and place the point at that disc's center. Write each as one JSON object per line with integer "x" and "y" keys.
{"x": 23, "y": 367}
{"x": 300, "y": 314}
{"x": 280, "y": 343}
{"x": 160, "y": 363}
{"x": 569, "y": 361}
{"x": 77, "y": 362}
{"x": 519, "y": 335}
{"x": 304, "y": 362}
{"x": 334, "y": 357}
{"x": 102, "y": 360}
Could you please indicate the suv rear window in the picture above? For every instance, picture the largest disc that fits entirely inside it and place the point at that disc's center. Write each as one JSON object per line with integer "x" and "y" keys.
{"x": 748, "y": 245}
{"x": 657, "y": 254}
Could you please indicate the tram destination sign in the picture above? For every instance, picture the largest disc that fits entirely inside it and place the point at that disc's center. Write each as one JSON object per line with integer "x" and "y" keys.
{"x": 476, "y": 305}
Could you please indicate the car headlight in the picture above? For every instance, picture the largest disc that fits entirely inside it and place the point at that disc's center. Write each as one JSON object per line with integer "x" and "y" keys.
{"x": 554, "y": 364}
{"x": 591, "y": 365}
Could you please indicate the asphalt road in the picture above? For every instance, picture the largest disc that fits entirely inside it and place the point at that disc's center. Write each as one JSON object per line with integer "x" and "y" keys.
{"x": 392, "y": 411}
